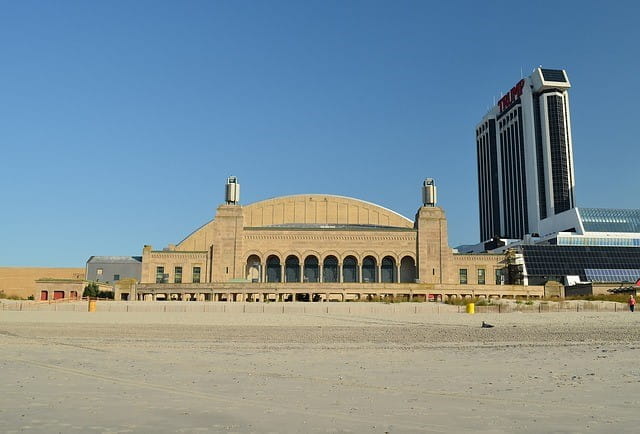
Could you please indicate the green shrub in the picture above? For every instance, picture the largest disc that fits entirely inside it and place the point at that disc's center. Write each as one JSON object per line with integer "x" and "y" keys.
{"x": 465, "y": 301}
{"x": 92, "y": 290}
{"x": 105, "y": 294}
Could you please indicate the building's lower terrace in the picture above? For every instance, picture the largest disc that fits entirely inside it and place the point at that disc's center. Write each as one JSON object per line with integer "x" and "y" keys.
{"x": 283, "y": 292}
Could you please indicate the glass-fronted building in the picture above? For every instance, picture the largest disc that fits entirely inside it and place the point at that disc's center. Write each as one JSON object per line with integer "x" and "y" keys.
{"x": 574, "y": 264}
{"x": 596, "y": 245}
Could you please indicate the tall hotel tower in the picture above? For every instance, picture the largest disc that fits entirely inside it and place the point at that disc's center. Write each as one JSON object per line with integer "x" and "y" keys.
{"x": 525, "y": 158}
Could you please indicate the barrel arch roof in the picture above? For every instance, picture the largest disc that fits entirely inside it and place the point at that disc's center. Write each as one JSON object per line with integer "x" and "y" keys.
{"x": 321, "y": 209}
{"x": 296, "y": 211}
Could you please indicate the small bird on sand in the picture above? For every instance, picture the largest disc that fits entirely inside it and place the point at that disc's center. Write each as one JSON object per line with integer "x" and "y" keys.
{"x": 486, "y": 325}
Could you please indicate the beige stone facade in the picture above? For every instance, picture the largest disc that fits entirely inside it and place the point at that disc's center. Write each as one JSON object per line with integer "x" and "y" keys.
{"x": 319, "y": 247}
{"x": 21, "y": 281}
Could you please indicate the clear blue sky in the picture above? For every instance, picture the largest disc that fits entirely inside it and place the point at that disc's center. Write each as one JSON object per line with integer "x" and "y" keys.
{"x": 121, "y": 120}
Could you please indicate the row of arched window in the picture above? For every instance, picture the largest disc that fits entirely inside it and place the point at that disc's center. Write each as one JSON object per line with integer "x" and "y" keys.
{"x": 330, "y": 270}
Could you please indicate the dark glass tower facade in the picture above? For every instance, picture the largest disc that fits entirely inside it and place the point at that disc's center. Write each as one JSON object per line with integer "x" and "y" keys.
{"x": 525, "y": 160}
{"x": 488, "y": 178}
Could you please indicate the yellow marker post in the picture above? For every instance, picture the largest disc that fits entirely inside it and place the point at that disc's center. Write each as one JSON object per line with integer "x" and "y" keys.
{"x": 92, "y": 305}
{"x": 471, "y": 308}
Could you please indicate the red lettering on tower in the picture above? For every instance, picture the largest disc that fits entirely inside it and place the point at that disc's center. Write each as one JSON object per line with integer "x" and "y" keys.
{"x": 511, "y": 96}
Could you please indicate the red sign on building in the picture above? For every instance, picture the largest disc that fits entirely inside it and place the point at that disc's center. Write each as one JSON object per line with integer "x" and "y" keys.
{"x": 511, "y": 96}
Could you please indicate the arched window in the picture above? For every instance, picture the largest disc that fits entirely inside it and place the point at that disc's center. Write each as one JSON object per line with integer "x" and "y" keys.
{"x": 407, "y": 270}
{"x": 292, "y": 269}
{"x": 274, "y": 271}
{"x": 311, "y": 269}
{"x": 254, "y": 269}
{"x": 330, "y": 269}
{"x": 388, "y": 270}
{"x": 350, "y": 270}
{"x": 369, "y": 270}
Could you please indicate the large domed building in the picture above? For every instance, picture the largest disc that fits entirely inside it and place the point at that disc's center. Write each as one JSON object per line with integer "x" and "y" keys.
{"x": 319, "y": 247}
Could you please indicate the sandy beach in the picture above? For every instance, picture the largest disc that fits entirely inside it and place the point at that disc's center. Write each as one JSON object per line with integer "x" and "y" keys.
{"x": 66, "y": 371}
